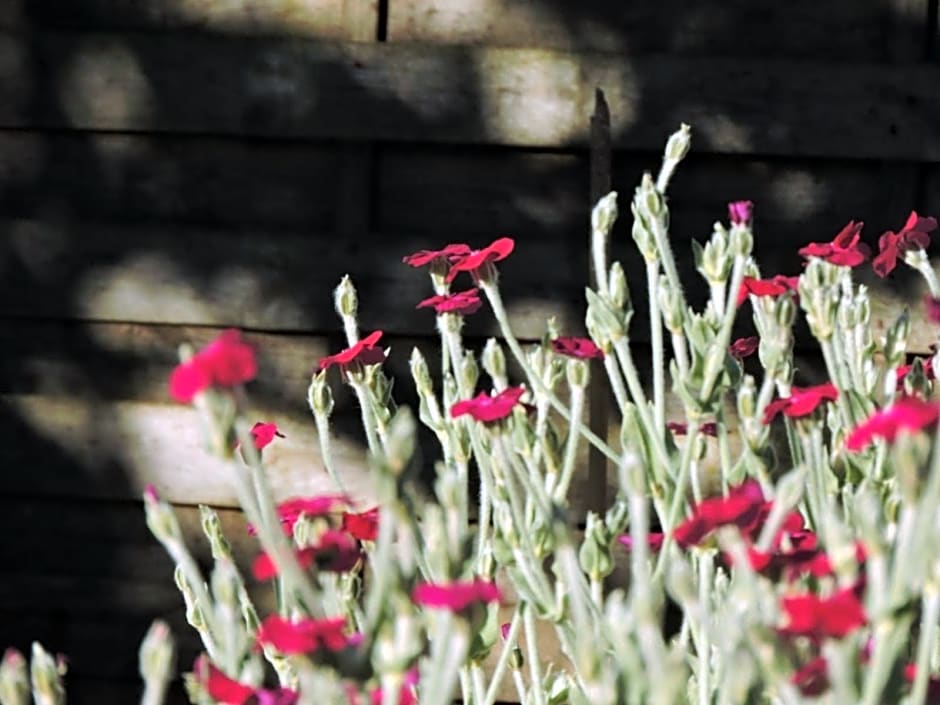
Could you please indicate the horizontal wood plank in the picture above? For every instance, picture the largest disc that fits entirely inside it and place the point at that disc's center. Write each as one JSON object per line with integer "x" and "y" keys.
{"x": 801, "y": 29}
{"x": 413, "y": 92}
{"x": 322, "y": 19}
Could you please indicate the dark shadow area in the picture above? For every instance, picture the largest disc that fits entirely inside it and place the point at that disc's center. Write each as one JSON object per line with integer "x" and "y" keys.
{"x": 110, "y": 240}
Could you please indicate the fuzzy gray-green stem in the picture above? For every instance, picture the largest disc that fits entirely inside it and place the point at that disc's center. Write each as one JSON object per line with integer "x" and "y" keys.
{"x": 656, "y": 342}
{"x": 928, "y": 637}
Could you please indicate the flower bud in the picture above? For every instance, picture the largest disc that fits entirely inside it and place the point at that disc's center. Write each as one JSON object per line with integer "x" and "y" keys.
{"x": 225, "y": 585}
{"x": 345, "y": 298}
{"x": 401, "y": 440}
{"x": 742, "y": 241}
{"x": 603, "y": 322}
{"x": 747, "y": 398}
{"x": 896, "y": 339}
{"x": 678, "y": 144}
{"x": 14, "y": 679}
{"x": 157, "y": 657}
{"x": 161, "y": 520}
{"x": 320, "y": 396}
{"x": 643, "y": 235}
{"x": 648, "y": 197}
{"x": 578, "y": 373}
{"x": 604, "y": 214}
{"x": 670, "y": 302}
{"x": 46, "y": 677}
{"x": 420, "y": 373}
{"x": 212, "y": 528}
{"x": 784, "y": 311}
{"x": 619, "y": 290}
{"x": 594, "y": 555}
{"x": 469, "y": 371}
{"x": 494, "y": 362}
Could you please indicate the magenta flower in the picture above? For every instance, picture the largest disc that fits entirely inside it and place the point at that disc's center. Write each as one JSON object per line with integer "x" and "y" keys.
{"x": 915, "y": 235}
{"x": 225, "y": 362}
{"x": 812, "y": 679}
{"x": 304, "y": 635}
{"x": 845, "y": 249}
{"x": 363, "y": 526}
{"x": 740, "y": 212}
{"x": 264, "y": 433}
{"x": 775, "y": 286}
{"x": 654, "y": 540}
{"x": 290, "y": 510}
{"x": 744, "y": 507}
{"x": 834, "y": 616}
{"x": 905, "y": 415}
{"x": 478, "y": 259}
{"x": 462, "y": 303}
{"x": 486, "y": 408}
{"x": 364, "y": 352}
{"x": 449, "y": 254}
{"x": 582, "y": 348}
{"x": 801, "y": 402}
{"x": 709, "y": 428}
{"x": 743, "y": 347}
{"x": 455, "y": 596}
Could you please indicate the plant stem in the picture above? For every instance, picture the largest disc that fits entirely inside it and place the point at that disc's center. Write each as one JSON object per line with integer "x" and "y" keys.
{"x": 656, "y": 341}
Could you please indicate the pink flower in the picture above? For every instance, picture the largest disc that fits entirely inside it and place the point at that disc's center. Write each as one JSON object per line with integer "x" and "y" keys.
{"x": 455, "y": 596}
{"x": 462, "y": 303}
{"x": 450, "y": 253}
{"x": 334, "y": 552}
{"x": 801, "y": 402}
{"x": 478, "y": 259}
{"x": 654, "y": 540}
{"x": 363, "y": 526}
{"x": 813, "y": 678}
{"x": 845, "y": 249}
{"x": 743, "y": 507}
{"x": 582, "y": 348}
{"x": 486, "y": 408}
{"x": 225, "y": 362}
{"x": 740, "y": 212}
{"x": 915, "y": 235}
{"x": 743, "y": 347}
{"x": 229, "y": 691}
{"x": 775, "y": 286}
{"x": 906, "y": 414}
{"x": 834, "y": 616}
{"x": 364, "y": 352}
{"x": 304, "y": 635}
{"x": 292, "y": 509}
{"x": 709, "y": 428}
{"x": 264, "y": 567}
{"x": 263, "y": 433}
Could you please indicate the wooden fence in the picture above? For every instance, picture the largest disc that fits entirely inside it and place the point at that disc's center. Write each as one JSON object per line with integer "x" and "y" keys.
{"x": 172, "y": 167}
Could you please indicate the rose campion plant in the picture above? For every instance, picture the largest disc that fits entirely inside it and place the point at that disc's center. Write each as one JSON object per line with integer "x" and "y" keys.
{"x": 799, "y": 572}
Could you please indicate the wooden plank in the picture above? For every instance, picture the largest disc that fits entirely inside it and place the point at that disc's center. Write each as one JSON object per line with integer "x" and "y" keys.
{"x": 800, "y": 29}
{"x": 145, "y": 179}
{"x": 412, "y": 92}
{"x": 321, "y": 19}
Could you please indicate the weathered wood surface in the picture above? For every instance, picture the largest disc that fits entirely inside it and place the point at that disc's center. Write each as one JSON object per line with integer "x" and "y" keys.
{"x": 407, "y": 92}
{"x": 321, "y": 19}
{"x": 714, "y": 27}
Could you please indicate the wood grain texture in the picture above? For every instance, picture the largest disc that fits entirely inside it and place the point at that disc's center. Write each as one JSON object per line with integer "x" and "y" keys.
{"x": 798, "y": 29}
{"x": 410, "y": 92}
{"x": 321, "y": 19}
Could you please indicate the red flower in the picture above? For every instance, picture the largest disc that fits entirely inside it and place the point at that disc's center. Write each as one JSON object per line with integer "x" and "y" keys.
{"x": 224, "y": 362}
{"x": 229, "y": 691}
{"x": 291, "y": 510}
{"x": 813, "y": 678}
{"x": 801, "y": 402}
{"x": 450, "y": 253}
{"x": 709, "y": 428}
{"x": 582, "y": 348}
{"x": 835, "y": 616}
{"x": 455, "y": 596}
{"x": 845, "y": 249}
{"x": 743, "y": 507}
{"x": 462, "y": 303}
{"x": 906, "y": 414}
{"x": 477, "y": 259}
{"x": 743, "y": 347}
{"x": 304, "y": 635}
{"x": 263, "y": 433}
{"x": 364, "y": 352}
{"x": 740, "y": 212}
{"x": 363, "y": 526}
{"x": 486, "y": 408}
{"x": 915, "y": 235}
{"x": 933, "y": 309}
{"x": 334, "y": 552}
{"x": 654, "y": 540}
{"x": 264, "y": 567}
{"x": 775, "y": 286}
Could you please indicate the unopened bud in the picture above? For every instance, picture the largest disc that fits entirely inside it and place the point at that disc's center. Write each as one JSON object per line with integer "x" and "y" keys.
{"x": 157, "y": 658}
{"x": 784, "y": 311}
{"x": 595, "y": 555}
{"x": 494, "y": 362}
{"x": 643, "y": 236}
{"x": 420, "y": 373}
{"x": 896, "y": 339}
{"x": 742, "y": 241}
{"x": 212, "y": 528}
{"x": 605, "y": 213}
{"x": 345, "y": 298}
{"x": 320, "y": 396}
{"x": 678, "y": 144}
{"x": 161, "y": 520}
{"x": 14, "y": 679}
{"x": 619, "y": 290}
{"x": 469, "y": 371}
{"x": 46, "y": 677}
{"x": 747, "y": 398}
{"x": 578, "y": 373}
{"x": 649, "y": 198}
{"x": 401, "y": 440}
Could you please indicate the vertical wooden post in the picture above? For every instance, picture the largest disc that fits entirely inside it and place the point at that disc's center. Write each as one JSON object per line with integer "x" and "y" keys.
{"x": 598, "y": 396}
